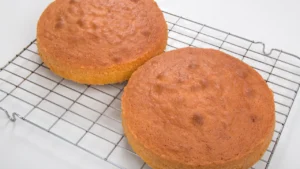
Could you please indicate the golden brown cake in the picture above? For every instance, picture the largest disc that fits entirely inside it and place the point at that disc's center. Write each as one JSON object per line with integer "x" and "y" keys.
{"x": 100, "y": 41}
{"x": 198, "y": 109}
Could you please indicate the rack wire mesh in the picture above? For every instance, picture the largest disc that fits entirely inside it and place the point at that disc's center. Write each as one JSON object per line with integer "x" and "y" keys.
{"x": 89, "y": 116}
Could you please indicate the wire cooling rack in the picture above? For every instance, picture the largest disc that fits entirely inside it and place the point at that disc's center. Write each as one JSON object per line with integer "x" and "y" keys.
{"x": 89, "y": 116}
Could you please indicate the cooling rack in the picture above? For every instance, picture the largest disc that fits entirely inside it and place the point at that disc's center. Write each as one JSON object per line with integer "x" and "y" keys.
{"x": 89, "y": 116}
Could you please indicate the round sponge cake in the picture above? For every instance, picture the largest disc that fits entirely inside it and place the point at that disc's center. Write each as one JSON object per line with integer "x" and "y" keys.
{"x": 198, "y": 109}
{"x": 100, "y": 41}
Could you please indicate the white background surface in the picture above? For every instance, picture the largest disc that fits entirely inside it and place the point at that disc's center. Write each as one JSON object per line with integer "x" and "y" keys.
{"x": 275, "y": 22}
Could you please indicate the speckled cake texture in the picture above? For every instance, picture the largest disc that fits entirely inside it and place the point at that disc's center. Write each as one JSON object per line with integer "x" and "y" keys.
{"x": 100, "y": 41}
{"x": 198, "y": 109}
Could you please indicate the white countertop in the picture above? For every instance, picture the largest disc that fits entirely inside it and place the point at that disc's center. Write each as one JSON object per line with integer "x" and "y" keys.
{"x": 275, "y": 22}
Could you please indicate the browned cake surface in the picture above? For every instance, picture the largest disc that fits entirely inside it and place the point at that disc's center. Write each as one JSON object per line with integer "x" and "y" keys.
{"x": 198, "y": 108}
{"x": 100, "y": 37}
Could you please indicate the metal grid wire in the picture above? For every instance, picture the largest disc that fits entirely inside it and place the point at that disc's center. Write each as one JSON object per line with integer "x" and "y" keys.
{"x": 89, "y": 116}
